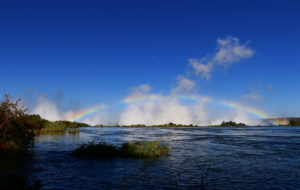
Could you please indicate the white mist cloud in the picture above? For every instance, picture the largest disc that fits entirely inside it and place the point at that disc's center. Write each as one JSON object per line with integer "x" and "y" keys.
{"x": 243, "y": 117}
{"x": 49, "y": 110}
{"x": 165, "y": 110}
{"x": 238, "y": 116}
{"x": 229, "y": 50}
{"x": 46, "y": 109}
{"x": 152, "y": 113}
{"x": 96, "y": 119}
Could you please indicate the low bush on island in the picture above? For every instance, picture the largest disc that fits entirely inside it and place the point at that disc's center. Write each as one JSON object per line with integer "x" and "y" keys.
{"x": 294, "y": 123}
{"x": 231, "y": 123}
{"x": 128, "y": 149}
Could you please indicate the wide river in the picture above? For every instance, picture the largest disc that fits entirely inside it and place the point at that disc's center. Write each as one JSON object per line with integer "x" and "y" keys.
{"x": 260, "y": 157}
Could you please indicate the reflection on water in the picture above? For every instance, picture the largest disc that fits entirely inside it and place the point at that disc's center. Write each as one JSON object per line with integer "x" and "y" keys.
{"x": 239, "y": 158}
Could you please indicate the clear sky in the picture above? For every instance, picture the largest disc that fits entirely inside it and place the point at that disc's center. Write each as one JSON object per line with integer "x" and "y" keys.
{"x": 62, "y": 57}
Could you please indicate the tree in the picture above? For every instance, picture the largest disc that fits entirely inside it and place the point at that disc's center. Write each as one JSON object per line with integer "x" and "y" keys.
{"x": 293, "y": 122}
{"x": 16, "y": 128}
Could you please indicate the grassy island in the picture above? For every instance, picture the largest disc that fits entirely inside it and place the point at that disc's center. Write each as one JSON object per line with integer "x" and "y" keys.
{"x": 129, "y": 149}
{"x": 229, "y": 124}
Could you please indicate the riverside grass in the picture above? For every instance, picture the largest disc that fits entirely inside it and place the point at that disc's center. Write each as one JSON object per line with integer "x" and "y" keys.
{"x": 55, "y": 126}
{"x": 58, "y": 126}
{"x": 129, "y": 149}
{"x": 74, "y": 130}
{"x": 61, "y": 126}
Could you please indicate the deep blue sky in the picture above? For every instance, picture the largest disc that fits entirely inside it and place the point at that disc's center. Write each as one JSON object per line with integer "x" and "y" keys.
{"x": 83, "y": 53}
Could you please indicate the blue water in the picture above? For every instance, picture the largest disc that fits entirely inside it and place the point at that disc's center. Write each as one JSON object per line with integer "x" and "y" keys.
{"x": 236, "y": 158}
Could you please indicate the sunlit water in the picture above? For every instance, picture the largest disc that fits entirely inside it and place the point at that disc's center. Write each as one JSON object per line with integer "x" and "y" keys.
{"x": 237, "y": 158}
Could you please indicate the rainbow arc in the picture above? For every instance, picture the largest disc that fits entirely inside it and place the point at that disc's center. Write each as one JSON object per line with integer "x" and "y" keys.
{"x": 227, "y": 104}
{"x": 85, "y": 112}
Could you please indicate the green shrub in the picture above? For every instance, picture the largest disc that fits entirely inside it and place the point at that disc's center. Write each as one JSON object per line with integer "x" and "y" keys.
{"x": 16, "y": 128}
{"x": 73, "y": 130}
{"x": 128, "y": 149}
{"x": 231, "y": 123}
{"x": 144, "y": 149}
{"x": 102, "y": 149}
{"x": 55, "y": 126}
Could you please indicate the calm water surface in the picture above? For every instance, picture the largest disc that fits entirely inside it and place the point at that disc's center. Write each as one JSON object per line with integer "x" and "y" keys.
{"x": 237, "y": 157}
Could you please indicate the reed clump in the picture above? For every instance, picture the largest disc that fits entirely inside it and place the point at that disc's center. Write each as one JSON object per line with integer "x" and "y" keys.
{"x": 92, "y": 149}
{"x": 74, "y": 130}
{"x": 129, "y": 149}
{"x": 61, "y": 126}
{"x": 55, "y": 126}
{"x": 145, "y": 149}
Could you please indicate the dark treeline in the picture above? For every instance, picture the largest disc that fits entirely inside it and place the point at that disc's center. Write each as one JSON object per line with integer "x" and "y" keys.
{"x": 294, "y": 122}
{"x": 229, "y": 123}
{"x": 68, "y": 124}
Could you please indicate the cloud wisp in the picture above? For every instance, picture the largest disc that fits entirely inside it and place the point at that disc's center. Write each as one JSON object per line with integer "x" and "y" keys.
{"x": 254, "y": 96}
{"x": 228, "y": 51}
{"x": 184, "y": 85}
{"x": 270, "y": 87}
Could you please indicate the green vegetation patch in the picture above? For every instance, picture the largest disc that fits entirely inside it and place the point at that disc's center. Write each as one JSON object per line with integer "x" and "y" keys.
{"x": 102, "y": 149}
{"x": 229, "y": 124}
{"x": 55, "y": 126}
{"x": 61, "y": 126}
{"x": 74, "y": 130}
{"x": 294, "y": 123}
{"x": 16, "y": 128}
{"x": 128, "y": 149}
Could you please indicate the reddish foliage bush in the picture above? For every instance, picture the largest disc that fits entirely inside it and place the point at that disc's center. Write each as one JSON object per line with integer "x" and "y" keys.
{"x": 16, "y": 129}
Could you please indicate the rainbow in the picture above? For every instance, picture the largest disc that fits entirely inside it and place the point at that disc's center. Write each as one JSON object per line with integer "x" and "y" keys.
{"x": 227, "y": 104}
{"x": 85, "y": 112}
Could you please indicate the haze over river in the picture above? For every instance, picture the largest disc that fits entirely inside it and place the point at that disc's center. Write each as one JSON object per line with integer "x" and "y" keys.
{"x": 260, "y": 157}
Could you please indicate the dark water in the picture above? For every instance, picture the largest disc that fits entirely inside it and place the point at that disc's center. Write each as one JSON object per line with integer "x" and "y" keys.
{"x": 237, "y": 157}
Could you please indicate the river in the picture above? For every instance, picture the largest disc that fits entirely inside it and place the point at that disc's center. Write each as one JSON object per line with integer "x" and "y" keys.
{"x": 254, "y": 157}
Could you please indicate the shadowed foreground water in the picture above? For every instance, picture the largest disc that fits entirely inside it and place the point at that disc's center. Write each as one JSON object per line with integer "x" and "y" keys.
{"x": 239, "y": 158}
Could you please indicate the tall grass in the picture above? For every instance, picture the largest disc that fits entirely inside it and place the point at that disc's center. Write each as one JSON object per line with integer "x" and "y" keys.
{"x": 61, "y": 126}
{"x": 55, "y": 126}
{"x": 74, "y": 130}
{"x": 128, "y": 149}
{"x": 145, "y": 148}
